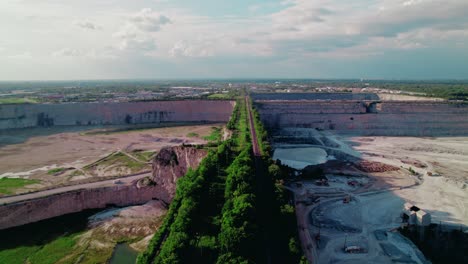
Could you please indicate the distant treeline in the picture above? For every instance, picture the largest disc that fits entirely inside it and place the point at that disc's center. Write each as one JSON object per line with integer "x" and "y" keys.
{"x": 453, "y": 90}
{"x": 100, "y": 89}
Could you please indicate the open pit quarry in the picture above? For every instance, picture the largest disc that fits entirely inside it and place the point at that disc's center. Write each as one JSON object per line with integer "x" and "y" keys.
{"x": 373, "y": 156}
{"x": 87, "y": 114}
{"x": 366, "y": 117}
{"x": 169, "y": 165}
{"x": 58, "y": 193}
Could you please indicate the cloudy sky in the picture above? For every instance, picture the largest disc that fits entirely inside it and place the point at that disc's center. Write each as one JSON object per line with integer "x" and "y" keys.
{"x": 104, "y": 39}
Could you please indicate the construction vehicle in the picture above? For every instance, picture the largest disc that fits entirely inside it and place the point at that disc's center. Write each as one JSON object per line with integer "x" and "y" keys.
{"x": 353, "y": 249}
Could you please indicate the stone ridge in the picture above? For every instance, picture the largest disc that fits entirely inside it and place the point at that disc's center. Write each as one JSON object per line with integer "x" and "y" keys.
{"x": 171, "y": 163}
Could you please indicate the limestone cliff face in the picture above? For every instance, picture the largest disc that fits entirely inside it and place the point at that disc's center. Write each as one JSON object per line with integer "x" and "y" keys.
{"x": 171, "y": 163}
{"x": 297, "y": 118}
{"x": 34, "y": 210}
{"x": 83, "y": 114}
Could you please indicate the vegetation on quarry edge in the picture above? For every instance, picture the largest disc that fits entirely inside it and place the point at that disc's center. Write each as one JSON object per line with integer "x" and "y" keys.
{"x": 214, "y": 217}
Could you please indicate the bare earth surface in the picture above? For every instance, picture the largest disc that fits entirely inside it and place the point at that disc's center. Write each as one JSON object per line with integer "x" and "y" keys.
{"x": 400, "y": 97}
{"x": 444, "y": 196}
{"x": 431, "y": 173}
{"x": 40, "y": 150}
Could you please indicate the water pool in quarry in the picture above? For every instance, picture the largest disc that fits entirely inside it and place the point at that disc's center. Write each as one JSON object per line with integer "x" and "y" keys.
{"x": 299, "y": 158}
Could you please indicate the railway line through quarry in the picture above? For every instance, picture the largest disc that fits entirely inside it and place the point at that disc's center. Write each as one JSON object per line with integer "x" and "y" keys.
{"x": 263, "y": 210}
{"x": 343, "y": 122}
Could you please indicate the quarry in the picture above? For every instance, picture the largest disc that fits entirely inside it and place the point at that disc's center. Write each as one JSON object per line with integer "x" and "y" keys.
{"x": 127, "y": 168}
{"x": 374, "y": 157}
{"x": 359, "y": 163}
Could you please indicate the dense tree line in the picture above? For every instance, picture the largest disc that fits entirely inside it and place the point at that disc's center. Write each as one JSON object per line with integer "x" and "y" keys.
{"x": 238, "y": 236}
{"x": 285, "y": 246}
{"x": 214, "y": 217}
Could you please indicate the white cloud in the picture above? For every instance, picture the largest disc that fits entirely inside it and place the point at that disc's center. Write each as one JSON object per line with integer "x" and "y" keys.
{"x": 138, "y": 32}
{"x": 200, "y": 48}
{"x": 142, "y": 45}
{"x": 21, "y": 56}
{"x": 66, "y": 52}
{"x": 148, "y": 20}
{"x": 412, "y": 2}
{"x": 87, "y": 25}
{"x": 131, "y": 38}
{"x": 293, "y": 30}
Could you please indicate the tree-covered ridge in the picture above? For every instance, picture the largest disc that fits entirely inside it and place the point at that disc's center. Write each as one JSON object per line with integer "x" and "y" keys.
{"x": 217, "y": 215}
{"x": 280, "y": 216}
{"x": 209, "y": 204}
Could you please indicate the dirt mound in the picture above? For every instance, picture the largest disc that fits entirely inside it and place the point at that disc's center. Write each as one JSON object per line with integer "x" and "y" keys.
{"x": 374, "y": 166}
{"x": 416, "y": 163}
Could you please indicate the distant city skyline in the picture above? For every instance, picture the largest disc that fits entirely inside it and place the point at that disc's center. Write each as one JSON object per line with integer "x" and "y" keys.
{"x": 162, "y": 39}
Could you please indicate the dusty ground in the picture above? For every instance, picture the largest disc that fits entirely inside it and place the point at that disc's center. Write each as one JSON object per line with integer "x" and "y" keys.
{"x": 389, "y": 171}
{"x": 444, "y": 196}
{"x": 32, "y": 153}
{"x": 401, "y": 97}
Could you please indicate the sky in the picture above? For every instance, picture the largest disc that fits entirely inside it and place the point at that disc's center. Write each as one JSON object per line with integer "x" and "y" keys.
{"x": 172, "y": 39}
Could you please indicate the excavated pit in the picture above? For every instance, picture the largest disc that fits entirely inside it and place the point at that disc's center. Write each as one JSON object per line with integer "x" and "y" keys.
{"x": 380, "y": 154}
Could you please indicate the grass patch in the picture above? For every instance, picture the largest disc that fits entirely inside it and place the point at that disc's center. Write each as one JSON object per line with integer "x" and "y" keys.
{"x": 215, "y": 135}
{"x": 8, "y": 185}
{"x": 193, "y": 134}
{"x": 56, "y": 170}
{"x": 220, "y": 96}
{"x": 76, "y": 173}
{"x": 54, "y": 251}
{"x": 143, "y": 155}
{"x": 120, "y": 160}
{"x": 47, "y": 241}
{"x": 17, "y": 255}
{"x": 17, "y": 101}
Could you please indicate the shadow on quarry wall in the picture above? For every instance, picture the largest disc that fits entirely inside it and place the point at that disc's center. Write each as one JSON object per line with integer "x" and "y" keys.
{"x": 16, "y": 136}
{"x": 44, "y": 231}
{"x": 439, "y": 244}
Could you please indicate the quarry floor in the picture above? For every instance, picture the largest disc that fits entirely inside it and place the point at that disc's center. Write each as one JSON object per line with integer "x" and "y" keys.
{"x": 444, "y": 196}
{"x": 372, "y": 215}
{"x": 88, "y": 240}
{"x": 34, "y": 153}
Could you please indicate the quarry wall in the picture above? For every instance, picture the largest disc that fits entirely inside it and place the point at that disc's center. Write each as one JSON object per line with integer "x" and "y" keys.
{"x": 21, "y": 213}
{"x": 67, "y": 114}
{"x": 315, "y": 96}
{"x": 388, "y": 118}
{"x": 170, "y": 164}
